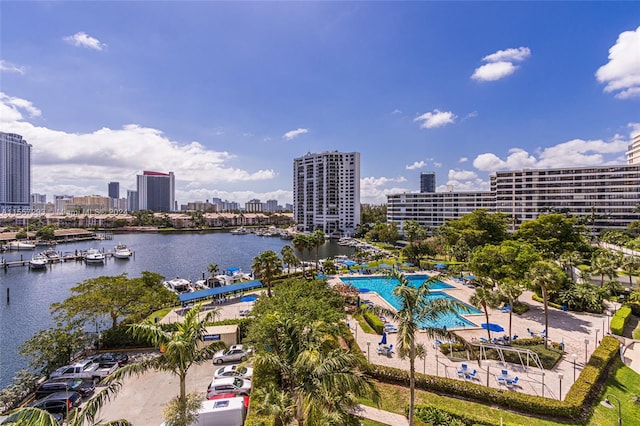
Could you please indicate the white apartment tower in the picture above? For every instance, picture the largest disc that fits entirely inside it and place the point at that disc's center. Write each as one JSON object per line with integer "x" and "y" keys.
{"x": 15, "y": 173}
{"x": 633, "y": 155}
{"x": 326, "y": 192}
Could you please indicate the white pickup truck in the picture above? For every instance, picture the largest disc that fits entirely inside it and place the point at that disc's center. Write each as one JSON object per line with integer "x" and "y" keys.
{"x": 85, "y": 369}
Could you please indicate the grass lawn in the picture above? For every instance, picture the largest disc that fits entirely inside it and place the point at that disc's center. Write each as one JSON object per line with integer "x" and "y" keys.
{"x": 395, "y": 397}
{"x": 624, "y": 383}
{"x": 161, "y": 313}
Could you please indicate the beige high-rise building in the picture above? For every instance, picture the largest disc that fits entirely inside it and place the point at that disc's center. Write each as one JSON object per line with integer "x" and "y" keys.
{"x": 633, "y": 155}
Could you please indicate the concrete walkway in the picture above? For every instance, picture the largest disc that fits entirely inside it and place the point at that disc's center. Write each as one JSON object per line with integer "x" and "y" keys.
{"x": 380, "y": 416}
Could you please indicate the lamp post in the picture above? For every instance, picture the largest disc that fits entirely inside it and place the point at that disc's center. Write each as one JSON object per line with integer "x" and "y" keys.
{"x": 560, "y": 377}
{"x": 543, "y": 384}
{"x": 488, "y": 363}
{"x": 586, "y": 344}
{"x": 608, "y": 404}
{"x": 597, "y": 337}
{"x": 574, "y": 356}
{"x": 608, "y": 322}
{"x": 368, "y": 351}
{"x": 436, "y": 361}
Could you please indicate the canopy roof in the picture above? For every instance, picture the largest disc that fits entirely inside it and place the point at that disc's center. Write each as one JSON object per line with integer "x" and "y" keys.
{"x": 216, "y": 291}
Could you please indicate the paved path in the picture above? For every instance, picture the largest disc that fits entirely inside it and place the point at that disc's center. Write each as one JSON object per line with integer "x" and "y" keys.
{"x": 381, "y": 416}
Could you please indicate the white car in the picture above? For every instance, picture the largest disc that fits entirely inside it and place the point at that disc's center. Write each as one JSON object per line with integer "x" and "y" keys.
{"x": 234, "y": 353}
{"x": 234, "y": 370}
{"x": 234, "y": 385}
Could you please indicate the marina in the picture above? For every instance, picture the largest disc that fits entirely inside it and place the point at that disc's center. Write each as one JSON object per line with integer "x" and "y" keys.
{"x": 186, "y": 255}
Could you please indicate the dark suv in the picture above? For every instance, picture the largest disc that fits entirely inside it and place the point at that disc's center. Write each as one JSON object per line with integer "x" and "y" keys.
{"x": 58, "y": 403}
{"x": 84, "y": 387}
{"x": 112, "y": 358}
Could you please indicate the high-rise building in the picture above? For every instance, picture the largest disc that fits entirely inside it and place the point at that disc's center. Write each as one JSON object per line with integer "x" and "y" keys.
{"x": 326, "y": 192}
{"x": 633, "y": 155}
{"x": 61, "y": 202}
{"x": 271, "y": 206}
{"x": 132, "y": 200}
{"x": 15, "y": 173}
{"x": 156, "y": 191}
{"x": 427, "y": 182}
{"x": 114, "y": 190}
{"x": 253, "y": 206}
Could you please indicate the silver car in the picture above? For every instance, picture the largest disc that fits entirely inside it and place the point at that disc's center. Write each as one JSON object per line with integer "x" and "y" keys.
{"x": 234, "y": 385}
{"x": 234, "y": 370}
{"x": 234, "y": 353}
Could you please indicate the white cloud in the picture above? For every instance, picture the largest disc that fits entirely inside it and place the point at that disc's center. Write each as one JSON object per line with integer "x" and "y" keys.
{"x": 9, "y": 67}
{"x": 494, "y": 71}
{"x": 82, "y": 39}
{"x": 292, "y": 134}
{"x": 509, "y": 55}
{"x": 436, "y": 164}
{"x": 573, "y": 153}
{"x": 462, "y": 174}
{"x": 415, "y": 165}
{"x": 622, "y": 73}
{"x": 81, "y": 163}
{"x": 396, "y": 111}
{"x": 635, "y": 129}
{"x": 374, "y": 190}
{"x": 436, "y": 118}
{"x": 463, "y": 160}
{"x": 500, "y": 64}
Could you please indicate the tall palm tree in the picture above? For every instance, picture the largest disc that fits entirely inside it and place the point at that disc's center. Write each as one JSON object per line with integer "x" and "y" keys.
{"x": 300, "y": 242}
{"x": 571, "y": 259}
{"x": 182, "y": 346}
{"x": 510, "y": 290}
{"x": 321, "y": 381}
{"x": 630, "y": 264}
{"x": 266, "y": 266}
{"x": 213, "y": 269}
{"x": 485, "y": 298}
{"x": 603, "y": 263}
{"x": 288, "y": 257}
{"x": 547, "y": 277}
{"x": 416, "y": 308}
{"x": 318, "y": 238}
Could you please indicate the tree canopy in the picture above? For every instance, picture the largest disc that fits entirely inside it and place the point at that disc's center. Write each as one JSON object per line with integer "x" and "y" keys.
{"x": 117, "y": 297}
{"x": 552, "y": 234}
{"x": 476, "y": 229}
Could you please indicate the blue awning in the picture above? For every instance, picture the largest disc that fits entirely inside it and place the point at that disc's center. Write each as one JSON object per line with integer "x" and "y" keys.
{"x": 216, "y": 291}
{"x": 349, "y": 263}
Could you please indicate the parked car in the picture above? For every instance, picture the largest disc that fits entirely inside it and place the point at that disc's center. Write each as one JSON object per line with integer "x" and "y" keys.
{"x": 234, "y": 353}
{"x": 119, "y": 358}
{"x": 58, "y": 403}
{"x": 85, "y": 387}
{"x": 234, "y": 385}
{"x": 85, "y": 369}
{"x": 234, "y": 370}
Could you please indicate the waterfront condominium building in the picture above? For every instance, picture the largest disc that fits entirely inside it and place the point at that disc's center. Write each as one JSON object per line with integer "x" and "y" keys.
{"x": 633, "y": 154}
{"x": 326, "y": 192}
{"x": 432, "y": 209}
{"x": 156, "y": 191}
{"x": 602, "y": 198}
{"x": 15, "y": 173}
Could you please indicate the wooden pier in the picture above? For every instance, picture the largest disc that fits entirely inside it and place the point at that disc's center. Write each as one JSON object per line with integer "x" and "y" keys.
{"x": 63, "y": 257}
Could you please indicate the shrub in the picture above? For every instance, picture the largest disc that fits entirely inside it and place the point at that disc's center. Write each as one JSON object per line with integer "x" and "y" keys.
{"x": 373, "y": 321}
{"x": 119, "y": 337}
{"x": 551, "y": 304}
{"x": 619, "y": 320}
{"x": 433, "y": 415}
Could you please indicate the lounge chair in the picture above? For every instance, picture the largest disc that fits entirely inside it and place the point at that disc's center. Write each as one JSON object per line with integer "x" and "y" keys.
{"x": 472, "y": 375}
{"x": 513, "y": 382}
{"x": 438, "y": 342}
{"x": 504, "y": 373}
{"x": 484, "y": 340}
{"x": 505, "y": 309}
{"x": 465, "y": 367}
{"x": 501, "y": 380}
{"x": 531, "y": 333}
{"x": 389, "y": 350}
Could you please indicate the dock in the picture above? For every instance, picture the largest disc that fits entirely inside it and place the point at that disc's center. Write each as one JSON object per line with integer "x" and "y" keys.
{"x": 63, "y": 257}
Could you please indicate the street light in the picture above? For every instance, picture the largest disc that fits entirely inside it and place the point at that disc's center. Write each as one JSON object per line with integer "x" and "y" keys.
{"x": 543, "y": 384}
{"x": 488, "y": 364}
{"x": 608, "y": 322}
{"x": 608, "y": 404}
{"x": 586, "y": 343}
{"x": 560, "y": 377}
{"x": 368, "y": 353}
{"x": 574, "y": 356}
{"x": 597, "y": 336}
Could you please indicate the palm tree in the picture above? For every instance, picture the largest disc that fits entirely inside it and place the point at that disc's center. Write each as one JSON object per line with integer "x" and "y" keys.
{"x": 300, "y": 242}
{"x": 213, "y": 269}
{"x": 630, "y": 264}
{"x": 320, "y": 380}
{"x": 266, "y": 266}
{"x": 510, "y": 290}
{"x": 416, "y": 308}
{"x": 288, "y": 257}
{"x": 317, "y": 239}
{"x": 485, "y": 298}
{"x": 571, "y": 259}
{"x": 547, "y": 277}
{"x": 181, "y": 346}
{"x": 602, "y": 263}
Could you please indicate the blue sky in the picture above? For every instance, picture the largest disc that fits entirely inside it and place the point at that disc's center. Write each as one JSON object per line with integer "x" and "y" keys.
{"x": 227, "y": 94}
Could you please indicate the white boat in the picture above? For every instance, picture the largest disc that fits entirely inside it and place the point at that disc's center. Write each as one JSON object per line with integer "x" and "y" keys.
{"x": 94, "y": 256}
{"x": 38, "y": 261}
{"x": 21, "y": 245}
{"x": 179, "y": 285}
{"x": 240, "y": 231}
{"x": 51, "y": 254}
{"x": 121, "y": 251}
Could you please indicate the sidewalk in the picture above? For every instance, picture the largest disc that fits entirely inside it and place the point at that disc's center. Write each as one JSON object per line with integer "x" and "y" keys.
{"x": 380, "y": 416}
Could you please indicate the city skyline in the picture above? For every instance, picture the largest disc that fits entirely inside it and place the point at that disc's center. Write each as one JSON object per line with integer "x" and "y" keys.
{"x": 226, "y": 95}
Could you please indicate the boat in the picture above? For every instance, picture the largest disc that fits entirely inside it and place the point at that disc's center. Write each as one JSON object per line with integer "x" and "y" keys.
{"x": 240, "y": 231}
{"x": 38, "y": 261}
{"x": 94, "y": 256}
{"x": 178, "y": 285}
{"x": 121, "y": 251}
{"x": 51, "y": 255}
{"x": 21, "y": 245}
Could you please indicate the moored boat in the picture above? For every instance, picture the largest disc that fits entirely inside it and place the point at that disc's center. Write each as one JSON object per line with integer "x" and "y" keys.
{"x": 121, "y": 251}
{"x": 21, "y": 245}
{"x": 240, "y": 231}
{"x": 94, "y": 256}
{"x": 51, "y": 255}
{"x": 38, "y": 261}
{"x": 178, "y": 285}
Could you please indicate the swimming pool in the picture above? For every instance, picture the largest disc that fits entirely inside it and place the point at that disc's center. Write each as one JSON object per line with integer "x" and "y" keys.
{"x": 384, "y": 287}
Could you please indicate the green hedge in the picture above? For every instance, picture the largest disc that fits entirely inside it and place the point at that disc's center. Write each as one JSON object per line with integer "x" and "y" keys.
{"x": 619, "y": 320}
{"x": 373, "y": 321}
{"x": 551, "y": 304}
{"x": 437, "y": 415}
{"x": 571, "y": 408}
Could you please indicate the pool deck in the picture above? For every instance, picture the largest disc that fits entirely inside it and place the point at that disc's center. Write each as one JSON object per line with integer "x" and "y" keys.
{"x": 568, "y": 327}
